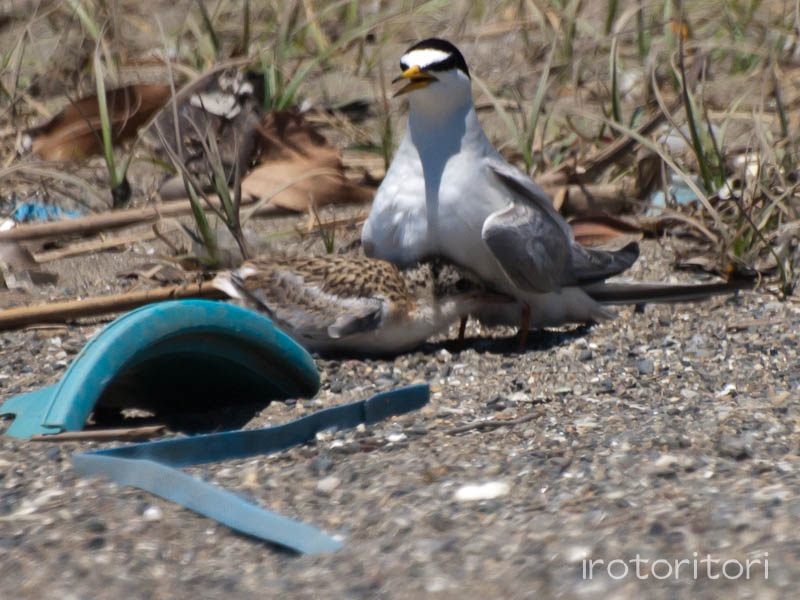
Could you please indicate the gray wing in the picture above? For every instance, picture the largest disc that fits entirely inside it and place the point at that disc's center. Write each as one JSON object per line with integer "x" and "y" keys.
{"x": 528, "y": 190}
{"x": 534, "y": 244}
{"x": 530, "y": 240}
{"x": 590, "y": 265}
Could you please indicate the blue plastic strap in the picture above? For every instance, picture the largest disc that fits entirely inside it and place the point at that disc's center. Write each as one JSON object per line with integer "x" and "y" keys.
{"x": 149, "y": 466}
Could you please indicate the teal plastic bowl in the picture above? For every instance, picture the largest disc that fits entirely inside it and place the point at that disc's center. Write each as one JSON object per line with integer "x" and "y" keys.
{"x": 181, "y": 356}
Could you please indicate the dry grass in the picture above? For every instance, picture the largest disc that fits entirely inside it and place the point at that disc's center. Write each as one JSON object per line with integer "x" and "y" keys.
{"x": 605, "y": 68}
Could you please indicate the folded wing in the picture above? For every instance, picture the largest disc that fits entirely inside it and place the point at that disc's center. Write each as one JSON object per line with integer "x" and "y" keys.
{"x": 534, "y": 245}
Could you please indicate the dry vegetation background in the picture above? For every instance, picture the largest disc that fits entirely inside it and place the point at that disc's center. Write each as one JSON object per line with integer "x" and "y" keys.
{"x": 557, "y": 83}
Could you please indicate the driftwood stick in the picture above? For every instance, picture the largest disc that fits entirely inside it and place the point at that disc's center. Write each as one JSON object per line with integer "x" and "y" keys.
{"x": 113, "y": 220}
{"x": 103, "y": 435}
{"x": 494, "y": 423}
{"x": 95, "y": 222}
{"x": 94, "y": 245}
{"x": 58, "y": 312}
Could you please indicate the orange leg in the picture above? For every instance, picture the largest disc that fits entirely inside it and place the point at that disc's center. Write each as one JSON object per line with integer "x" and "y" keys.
{"x": 526, "y": 323}
{"x": 462, "y": 327}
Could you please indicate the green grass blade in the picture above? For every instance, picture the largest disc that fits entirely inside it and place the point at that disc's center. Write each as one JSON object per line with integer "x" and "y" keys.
{"x": 91, "y": 27}
{"x": 691, "y": 121}
{"x": 105, "y": 121}
{"x": 209, "y": 26}
{"x": 536, "y": 107}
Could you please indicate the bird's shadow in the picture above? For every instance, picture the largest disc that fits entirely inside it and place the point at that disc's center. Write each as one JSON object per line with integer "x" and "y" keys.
{"x": 537, "y": 341}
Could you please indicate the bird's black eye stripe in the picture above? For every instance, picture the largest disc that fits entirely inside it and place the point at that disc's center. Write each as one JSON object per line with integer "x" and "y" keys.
{"x": 454, "y": 61}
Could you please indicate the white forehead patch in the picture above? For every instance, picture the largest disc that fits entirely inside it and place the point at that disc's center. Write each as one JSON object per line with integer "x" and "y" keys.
{"x": 423, "y": 57}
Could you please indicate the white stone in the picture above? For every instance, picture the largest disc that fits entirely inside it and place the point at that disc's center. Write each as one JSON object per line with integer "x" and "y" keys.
{"x": 326, "y": 485}
{"x": 482, "y": 491}
{"x": 152, "y": 513}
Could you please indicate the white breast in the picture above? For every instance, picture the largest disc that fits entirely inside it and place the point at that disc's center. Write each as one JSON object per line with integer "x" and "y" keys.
{"x": 399, "y": 228}
{"x": 396, "y": 229}
{"x": 467, "y": 196}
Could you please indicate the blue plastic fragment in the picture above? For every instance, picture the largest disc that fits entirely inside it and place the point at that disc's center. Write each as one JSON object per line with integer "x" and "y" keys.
{"x": 189, "y": 351}
{"x": 148, "y": 466}
{"x": 679, "y": 193}
{"x": 37, "y": 211}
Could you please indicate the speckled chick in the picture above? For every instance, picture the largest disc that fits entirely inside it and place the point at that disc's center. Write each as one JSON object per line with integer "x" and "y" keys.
{"x": 347, "y": 303}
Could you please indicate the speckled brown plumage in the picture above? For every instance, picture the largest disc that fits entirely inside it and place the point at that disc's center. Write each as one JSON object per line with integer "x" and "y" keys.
{"x": 344, "y": 277}
{"x": 346, "y": 302}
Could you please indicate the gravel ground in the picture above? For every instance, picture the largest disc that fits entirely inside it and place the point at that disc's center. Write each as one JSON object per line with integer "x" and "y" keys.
{"x": 669, "y": 434}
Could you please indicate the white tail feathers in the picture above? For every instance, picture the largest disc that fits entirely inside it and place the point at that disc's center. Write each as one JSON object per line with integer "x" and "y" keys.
{"x": 224, "y": 283}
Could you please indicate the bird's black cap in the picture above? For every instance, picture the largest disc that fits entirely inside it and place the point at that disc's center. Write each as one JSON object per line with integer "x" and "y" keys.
{"x": 454, "y": 59}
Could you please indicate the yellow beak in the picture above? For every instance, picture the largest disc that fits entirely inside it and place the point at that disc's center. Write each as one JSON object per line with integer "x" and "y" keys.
{"x": 416, "y": 80}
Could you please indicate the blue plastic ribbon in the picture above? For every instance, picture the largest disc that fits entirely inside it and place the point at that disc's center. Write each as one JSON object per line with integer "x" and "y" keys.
{"x": 150, "y": 466}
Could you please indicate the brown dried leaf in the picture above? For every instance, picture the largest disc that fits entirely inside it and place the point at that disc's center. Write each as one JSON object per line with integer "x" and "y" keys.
{"x": 587, "y": 199}
{"x": 75, "y": 132}
{"x": 603, "y": 230}
{"x": 292, "y": 149}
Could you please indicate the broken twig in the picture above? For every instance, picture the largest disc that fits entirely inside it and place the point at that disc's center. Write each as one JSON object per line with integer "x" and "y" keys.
{"x": 58, "y": 312}
{"x": 494, "y": 424}
{"x": 103, "y": 435}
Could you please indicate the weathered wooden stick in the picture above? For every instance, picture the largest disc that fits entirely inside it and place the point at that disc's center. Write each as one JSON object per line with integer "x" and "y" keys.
{"x": 113, "y": 220}
{"x": 93, "y": 246}
{"x": 103, "y": 435}
{"x": 58, "y": 312}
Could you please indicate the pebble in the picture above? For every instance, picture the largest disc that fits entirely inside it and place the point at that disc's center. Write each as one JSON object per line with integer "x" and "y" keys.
{"x": 96, "y": 526}
{"x": 152, "y": 513}
{"x": 665, "y": 465}
{"x": 320, "y": 465}
{"x": 646, "y": 367}
{"x": 53, "y": 453}
{"x": 656, "y": 528}
{"x": 96, "y": 543}
{"x": 734, "y": 447}
{"x": 726, "y": 390}
{"x": 484, "y": 491}
{"x": 326, "y": 485}
{"x": 605, "y": 386}
{"x": 496, "y": 399}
